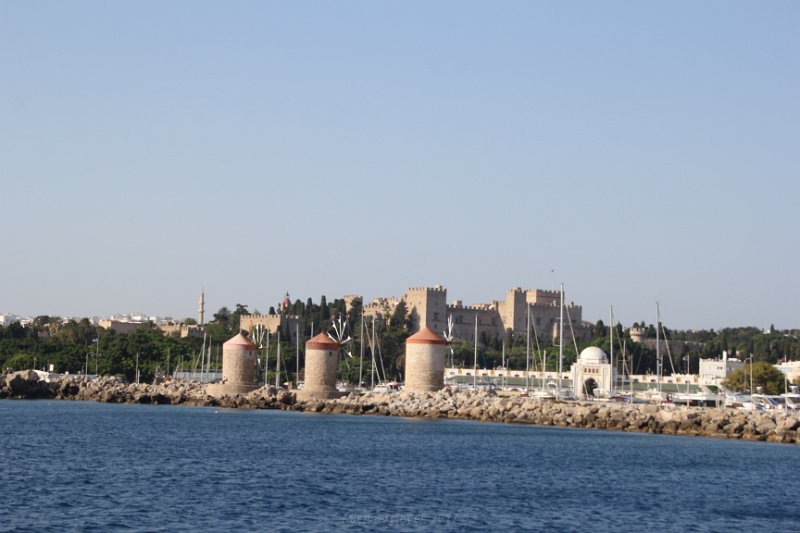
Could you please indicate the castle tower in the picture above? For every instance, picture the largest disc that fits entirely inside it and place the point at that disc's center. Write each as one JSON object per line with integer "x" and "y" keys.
{"x": 238, "y": 368}
{"x": 513, "y": 311}
{"x": 427, "y": 307}
{"x": 638, "y": 334}
{"x": 425, "y": 355}
{"x": 201, "y": 307}
{"x": 322, "y": 358}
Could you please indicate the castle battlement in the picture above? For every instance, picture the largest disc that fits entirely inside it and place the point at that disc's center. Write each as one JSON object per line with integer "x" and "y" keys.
{"x": 544, "y": 292}
{"x": 550, "y": 305}
{"x": 273, "y": 317}
{"x": 382, "y": 301}
{"x": 542, "y": 305}
{"x": 435, "y": 288}
{"x": 475, "y": 307}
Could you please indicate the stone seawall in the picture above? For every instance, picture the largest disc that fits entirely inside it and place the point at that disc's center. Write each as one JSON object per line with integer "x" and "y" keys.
{"x": 485, "y": 406}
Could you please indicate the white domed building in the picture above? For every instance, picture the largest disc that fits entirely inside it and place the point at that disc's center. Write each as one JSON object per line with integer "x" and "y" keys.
{"x": 592, "y": 374}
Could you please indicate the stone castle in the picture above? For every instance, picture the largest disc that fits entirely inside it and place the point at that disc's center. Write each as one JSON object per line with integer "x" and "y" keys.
{"x": 428, "y": 307}
{"x": 289, "y": 326}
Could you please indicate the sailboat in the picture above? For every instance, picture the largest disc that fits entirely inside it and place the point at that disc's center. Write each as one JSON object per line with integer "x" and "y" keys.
{"x": 548, "y": 391}
{"x": 526, "y": 390}
{"x": 383, "y": 386}
{"x": 563, "y": 394}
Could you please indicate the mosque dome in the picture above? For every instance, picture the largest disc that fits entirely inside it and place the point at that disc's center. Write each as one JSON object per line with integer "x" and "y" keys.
{"x": 593, "y": 356}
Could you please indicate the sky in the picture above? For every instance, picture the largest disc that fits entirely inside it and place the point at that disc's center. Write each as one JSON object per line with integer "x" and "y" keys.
{"x": 634, "y": 151}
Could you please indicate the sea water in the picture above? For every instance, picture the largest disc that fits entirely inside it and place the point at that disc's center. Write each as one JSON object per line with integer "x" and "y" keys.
{"x": 100, "y": 467}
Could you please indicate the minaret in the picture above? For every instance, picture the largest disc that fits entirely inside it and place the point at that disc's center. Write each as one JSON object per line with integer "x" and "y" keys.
{"x": 201, "y": 307}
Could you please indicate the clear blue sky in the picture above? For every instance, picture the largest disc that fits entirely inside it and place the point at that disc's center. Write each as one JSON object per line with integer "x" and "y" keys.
{"x": 636, "y": 151}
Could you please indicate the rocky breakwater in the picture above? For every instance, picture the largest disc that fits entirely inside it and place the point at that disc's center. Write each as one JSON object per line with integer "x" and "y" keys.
{"x": 486, "y": 406}
{"x": 27, "y": 384}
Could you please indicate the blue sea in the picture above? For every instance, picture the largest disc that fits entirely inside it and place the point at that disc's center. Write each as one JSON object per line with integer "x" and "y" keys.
{"x": 79, "y": 466}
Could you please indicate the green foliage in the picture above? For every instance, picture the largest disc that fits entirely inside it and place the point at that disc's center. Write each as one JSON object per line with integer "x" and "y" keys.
{"x": 764, "y": 375}
{"x": 355, "y": 314}
{"x": 324, "y": 312}
{"x": 72, "y": 348}
{"x": 600, "y": 329}
{"x": 400, "y": 317}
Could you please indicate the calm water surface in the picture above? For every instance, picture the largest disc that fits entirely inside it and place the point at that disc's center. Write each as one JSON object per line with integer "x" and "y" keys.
{"x": 98, "y": 467}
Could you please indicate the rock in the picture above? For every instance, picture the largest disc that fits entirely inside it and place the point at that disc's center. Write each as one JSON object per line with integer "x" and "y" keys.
{"x": 286, "y": 397}
{"x": 788, "y": 424}
{"x": 26, "y": 384}
{"x": 764, "y": 427}
{"x": 161, "y": 399}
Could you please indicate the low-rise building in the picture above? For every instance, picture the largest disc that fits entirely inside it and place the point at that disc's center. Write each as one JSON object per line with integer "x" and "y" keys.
{"x": 181, "y": 330}
{"x": 119, "y": 326}
{"x": 791, "y": 369}
{"x": 715, "y": 371}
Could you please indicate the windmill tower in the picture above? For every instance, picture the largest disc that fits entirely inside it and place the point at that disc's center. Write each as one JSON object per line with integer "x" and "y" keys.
{"x": 425, "y": 355}
{"x": 322, "y": 357}
{"x": 201, "y": 307}
{"x": 239, "y": 356}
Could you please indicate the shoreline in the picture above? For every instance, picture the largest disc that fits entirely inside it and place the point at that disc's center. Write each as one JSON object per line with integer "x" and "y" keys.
{"x": 481, "y": 406}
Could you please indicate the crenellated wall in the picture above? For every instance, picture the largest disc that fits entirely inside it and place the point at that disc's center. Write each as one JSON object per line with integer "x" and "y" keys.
{"x": 286, "y": 324}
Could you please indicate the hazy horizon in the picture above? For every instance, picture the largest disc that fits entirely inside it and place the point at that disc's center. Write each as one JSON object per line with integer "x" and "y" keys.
{"x": 635, "y": 152}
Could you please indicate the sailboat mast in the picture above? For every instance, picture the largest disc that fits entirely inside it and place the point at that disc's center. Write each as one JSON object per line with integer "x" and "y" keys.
{"x": 659, "y": 363}
{"x": 561, "y": 341}
{"x": 278, "y": 363}
{"x": 612, "y": 348}
{"x": 544, "y": 369}
{"x": 475, "y": 361}
{"x": 505, "y": 371}
{"x": 372, "y": 350}
{"x": 297, "y": 356}
{"x": 206, "y": 355}
{"x": 527, "y": 347}
{"x": 266, "y": 362}
{"x": 361, "y": 355}
{"x": 630, "y": 370}
{"x": 202, "y": 357}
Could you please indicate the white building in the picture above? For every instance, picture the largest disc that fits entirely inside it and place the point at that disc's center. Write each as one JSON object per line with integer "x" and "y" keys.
{"x": 592, "y": 372}
{"x": 714, "y": 371}
{"x": 791, "y": 369}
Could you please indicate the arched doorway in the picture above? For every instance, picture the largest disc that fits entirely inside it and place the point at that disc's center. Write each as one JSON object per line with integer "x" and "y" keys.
{"x": 589, "y": 386}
